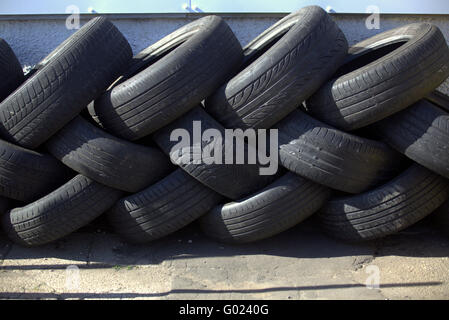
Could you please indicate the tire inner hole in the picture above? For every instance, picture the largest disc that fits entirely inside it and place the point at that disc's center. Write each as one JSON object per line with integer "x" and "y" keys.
{"x": 247, "y": 60}
{"x": 367, "y": 58}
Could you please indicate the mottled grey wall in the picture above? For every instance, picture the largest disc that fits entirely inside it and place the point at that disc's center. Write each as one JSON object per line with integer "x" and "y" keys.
{"x": 32, "y": 39}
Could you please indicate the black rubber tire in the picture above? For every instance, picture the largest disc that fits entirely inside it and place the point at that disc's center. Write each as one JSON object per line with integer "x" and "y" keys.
{"x": 421, "y": 132}
{"x": 4, "y": 205}
{"x": 387, "y": 209}
{"x": 59, "y": 213}
{"x": 444, "y": 88}
{"x": 331, "y": 157}
{"x": 377, "y": 82}
{"x": 27, "y": 175}
{"x": 106, "y": 159}
{"x": 439, "y": 99}
{"x": 440, "y": 217}
{"x": 74, "y": 74}
{"x": 294, "y": 58}
{"x": 162, "y": 208}
{"x": 230, "y": 180}
{"x": 278, "y": 207}
{"x": 11, "y": 73}
{"x": 198, "y": 59}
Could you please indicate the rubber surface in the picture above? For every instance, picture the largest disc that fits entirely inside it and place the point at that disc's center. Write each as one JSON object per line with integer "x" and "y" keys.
{"x": 59, "y": 213}
{"x": 331, "y": 157}
{"x": 27, "y": 175}
{"x": 285, "y": 65}
{"x": 440, "y": 217}
{"x": 4, "y": 205}
{"x": 230, "y": 180}
{"x": 421, "y": 132}
{"x": 11, "y": 74}
{"x": 382, "y": 77}
{"x": 172, "y": 76}
{"x": 278, "y": 207}
{"x": 387, "y": 209}
{"x": 74, "y": 74}
{"x": 106, "y": 159}
{"x": 162, "y": 208}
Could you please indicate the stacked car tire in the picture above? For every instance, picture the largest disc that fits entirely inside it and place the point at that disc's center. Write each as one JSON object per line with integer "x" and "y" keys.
{"x": 362, "y": 135}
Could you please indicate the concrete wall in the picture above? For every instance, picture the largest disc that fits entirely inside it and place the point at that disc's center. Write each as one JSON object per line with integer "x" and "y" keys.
{"x": 33, "y": 37}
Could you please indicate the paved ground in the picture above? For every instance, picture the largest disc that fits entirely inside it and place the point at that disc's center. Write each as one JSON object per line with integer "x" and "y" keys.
{"x": 301, "y": 263}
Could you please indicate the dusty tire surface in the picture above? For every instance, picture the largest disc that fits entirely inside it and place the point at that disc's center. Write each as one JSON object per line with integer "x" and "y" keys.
{"x": 440, "y": 217}
{"x": 332, "y": 157}
{"x": 308, "y": 48}
{"x": 59, "y": 213}
{"x": 27, "y": 175}
{"x": 163, "y": 208}
{"x": 439, "y": 99}
{"x": 230, "y": 180}
{"x": 403, "y": 201}
{"x": 421, "y": 132}
{"x": 383, "y": 75}
{"x": 276, "y": 208}
{"x": 64, "y": 83}
{"x": 172, "y": 76}
{"x": 11, "y": 74}
{"x": 4, "y": 205}
{"x": 106, "y": 159}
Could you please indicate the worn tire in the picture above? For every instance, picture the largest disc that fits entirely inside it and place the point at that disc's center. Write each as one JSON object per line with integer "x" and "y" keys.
{"x": 294, "y": 58}
{"x": 380, "y": 78}
{"x": 173, "y": 76}
{"x": 440, "y": 217}
{"x": 4, "y": 205}
{"x": 403, "y": 201}
{"x": 162, "y": 208}
{"x": 331, "y": 157}
{"x": 421, "y": 132}
{"x": 278, "y": 207}
{"x": 59, "y": 213}
{"x": 106, "y": 159}
{"x": 27, "y": 175}
{"x": 230, "y": 180}
{"x": 444, "y": 87}
{"x": 11, "y": 73}
{"x": 74, "y": 74}
{"x": 439, "y": 99}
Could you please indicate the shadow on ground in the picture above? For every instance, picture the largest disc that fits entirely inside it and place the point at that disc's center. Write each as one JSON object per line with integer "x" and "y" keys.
{"x": 125, "y": 295}
{"x": 97, "y": 247}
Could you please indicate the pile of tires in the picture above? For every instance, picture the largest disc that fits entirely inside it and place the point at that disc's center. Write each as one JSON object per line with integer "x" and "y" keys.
{"x": 363, "y": 137}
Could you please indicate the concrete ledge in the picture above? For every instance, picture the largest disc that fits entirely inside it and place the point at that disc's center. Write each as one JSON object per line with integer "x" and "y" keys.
{"x": 193, "y": 15}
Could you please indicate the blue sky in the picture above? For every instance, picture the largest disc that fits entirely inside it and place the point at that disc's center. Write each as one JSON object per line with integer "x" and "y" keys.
{"x": 143, "y": 6}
